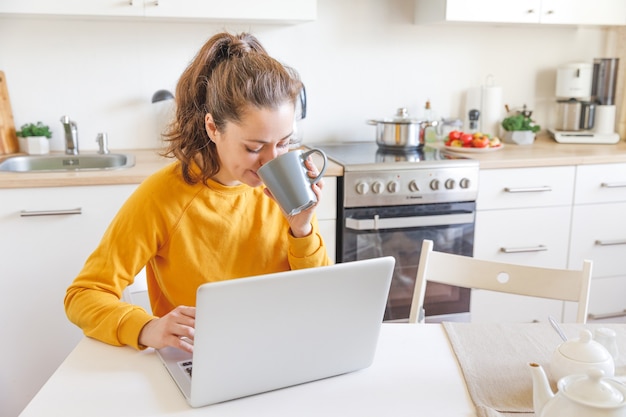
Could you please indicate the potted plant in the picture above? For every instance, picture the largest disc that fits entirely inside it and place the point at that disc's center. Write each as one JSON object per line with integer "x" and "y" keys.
{"x": 34, "y": 138}
{"x": 519, "y": 129}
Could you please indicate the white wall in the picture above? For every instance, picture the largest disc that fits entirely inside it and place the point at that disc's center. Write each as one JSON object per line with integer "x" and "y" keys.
{"x": 358, "y": 62}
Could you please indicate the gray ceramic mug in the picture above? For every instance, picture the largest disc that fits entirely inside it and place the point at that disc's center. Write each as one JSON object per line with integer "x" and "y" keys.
{"x": 286, "y": 177}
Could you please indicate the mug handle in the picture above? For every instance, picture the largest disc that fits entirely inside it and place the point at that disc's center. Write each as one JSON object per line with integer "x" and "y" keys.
{"x": 306, "y": 154}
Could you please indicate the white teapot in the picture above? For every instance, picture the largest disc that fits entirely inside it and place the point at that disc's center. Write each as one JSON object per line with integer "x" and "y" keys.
{"x": 576, "y": 356}
{"x": 582, "y": 395}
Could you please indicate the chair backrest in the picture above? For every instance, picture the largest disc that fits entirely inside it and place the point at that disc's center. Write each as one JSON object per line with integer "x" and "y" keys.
{"x": 467, "y": 272}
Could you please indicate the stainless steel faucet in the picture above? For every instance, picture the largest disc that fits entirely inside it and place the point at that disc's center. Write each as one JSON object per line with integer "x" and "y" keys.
{"x": 71, "y": 135}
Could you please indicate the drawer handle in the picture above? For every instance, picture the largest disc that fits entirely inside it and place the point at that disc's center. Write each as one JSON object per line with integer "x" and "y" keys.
{"x": 613, "y": 185}
{"x": 539, "y": 248}
{"x": 62, "y": 212}
{"x": 616, "y": 314}
{"x": 527, "y": 189}
{"x": 611, "y": 242}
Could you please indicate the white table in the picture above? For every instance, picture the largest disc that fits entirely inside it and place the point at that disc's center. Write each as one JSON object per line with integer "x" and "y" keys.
{"x": 415, "y": 373}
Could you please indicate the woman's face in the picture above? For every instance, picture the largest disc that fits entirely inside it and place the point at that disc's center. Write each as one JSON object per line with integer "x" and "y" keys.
{"x": 244, "y": 147}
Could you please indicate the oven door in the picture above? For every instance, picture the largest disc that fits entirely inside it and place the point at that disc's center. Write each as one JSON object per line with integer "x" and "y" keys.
{"x": 399, "y": 232}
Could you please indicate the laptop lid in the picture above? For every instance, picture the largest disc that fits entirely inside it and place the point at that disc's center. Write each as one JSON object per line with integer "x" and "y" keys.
{"x": 267, "y": 332}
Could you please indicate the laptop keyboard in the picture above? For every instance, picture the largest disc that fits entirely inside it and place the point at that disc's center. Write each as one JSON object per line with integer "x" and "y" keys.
{"x": 186, "y": 367}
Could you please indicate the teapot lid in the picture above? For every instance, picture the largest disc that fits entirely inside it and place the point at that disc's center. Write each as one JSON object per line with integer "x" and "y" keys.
{"x": 584, "y": 349}
{"x": 591, "y": 389}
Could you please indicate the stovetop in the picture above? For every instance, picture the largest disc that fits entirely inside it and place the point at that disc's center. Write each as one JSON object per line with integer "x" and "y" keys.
{"x": 377, "y": 177}
{"x": 368, "y": 156}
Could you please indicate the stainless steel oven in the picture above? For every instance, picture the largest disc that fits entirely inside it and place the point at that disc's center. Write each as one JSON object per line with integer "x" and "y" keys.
{"x": 389, "y": 202}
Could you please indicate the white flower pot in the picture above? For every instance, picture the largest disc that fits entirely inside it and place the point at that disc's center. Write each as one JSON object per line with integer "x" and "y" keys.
{"x": 519, "y": 137}
{"x": 34, "y": 145}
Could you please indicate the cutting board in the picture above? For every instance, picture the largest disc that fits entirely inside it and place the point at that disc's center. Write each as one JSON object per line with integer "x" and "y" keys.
{"x": 8, "y": 138}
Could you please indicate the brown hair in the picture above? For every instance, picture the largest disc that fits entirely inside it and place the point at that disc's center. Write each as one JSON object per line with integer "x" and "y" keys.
{"x": 229, "y": 74}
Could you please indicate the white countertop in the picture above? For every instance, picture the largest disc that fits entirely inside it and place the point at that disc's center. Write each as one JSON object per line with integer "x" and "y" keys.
{"x": 415, "y": 373}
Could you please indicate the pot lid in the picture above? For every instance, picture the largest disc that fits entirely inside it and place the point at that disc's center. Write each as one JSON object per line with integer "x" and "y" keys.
{"x": 584, "y": 349}
{"x": 592, "y": 389}
{"x": 401, "y": 117}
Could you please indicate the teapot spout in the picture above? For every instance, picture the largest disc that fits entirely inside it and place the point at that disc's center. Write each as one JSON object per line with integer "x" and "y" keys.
{"x": 542, "y": 393}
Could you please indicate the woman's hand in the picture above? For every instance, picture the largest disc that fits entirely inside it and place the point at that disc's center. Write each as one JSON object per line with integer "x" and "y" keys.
{"x": 175, "y": 329}
{"x": 300, "y": 224}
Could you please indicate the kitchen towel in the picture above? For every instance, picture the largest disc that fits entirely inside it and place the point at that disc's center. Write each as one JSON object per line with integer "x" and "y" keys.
{"x": 494, "y": 359}
{"x": 492, "y": 109}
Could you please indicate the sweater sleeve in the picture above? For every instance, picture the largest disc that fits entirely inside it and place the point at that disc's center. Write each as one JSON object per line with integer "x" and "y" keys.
{"x": 308, "y": 251}
{"x": 92, "y": 301}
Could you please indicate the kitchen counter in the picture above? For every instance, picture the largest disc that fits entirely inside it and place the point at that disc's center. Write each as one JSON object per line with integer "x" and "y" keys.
{"x": 545, "y": 151}
{"x": 147, "y": 161}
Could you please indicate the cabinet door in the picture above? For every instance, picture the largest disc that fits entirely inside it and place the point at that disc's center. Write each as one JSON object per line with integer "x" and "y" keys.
{"x": 244, "y": 10}
{"x": 537, "y": 236}
{"x": 497, "y": 11}
{"x": 534, "y": 236}
{"x": 41, "y": 255}
{"x": 74, "y": 7}
{"x": 603, "y": 183}
{"x": 525, "y": 187}
{"x": 606, "y": 299}
{"x": 583, "y": 12}
{"x": 599, "y": 234}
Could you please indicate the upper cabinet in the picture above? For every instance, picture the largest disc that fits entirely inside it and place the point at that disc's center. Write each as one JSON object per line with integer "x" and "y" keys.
{"x": 555, "y": 12}
{"x": 268, "y": 11}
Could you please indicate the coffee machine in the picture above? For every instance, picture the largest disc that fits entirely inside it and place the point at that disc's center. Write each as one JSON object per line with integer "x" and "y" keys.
{"x": 586, "y": 102}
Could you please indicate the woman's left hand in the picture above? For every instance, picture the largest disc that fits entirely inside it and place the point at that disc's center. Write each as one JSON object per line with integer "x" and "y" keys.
{"x": 300, "y": 224}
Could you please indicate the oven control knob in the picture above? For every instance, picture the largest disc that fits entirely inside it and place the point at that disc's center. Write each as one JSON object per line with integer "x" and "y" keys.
{"x": 413, "y": 187}
{"x": 393, "y": 187}
{"x": 449, "y": 183}
{"x": 465, "y": 183}
{"x": 434, "y": 185}
{"x": 362, "y": 188}
{"x": 377, "y": 187}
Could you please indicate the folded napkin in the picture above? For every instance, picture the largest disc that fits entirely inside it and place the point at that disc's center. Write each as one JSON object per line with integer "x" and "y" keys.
{"x": 494, "y": 359}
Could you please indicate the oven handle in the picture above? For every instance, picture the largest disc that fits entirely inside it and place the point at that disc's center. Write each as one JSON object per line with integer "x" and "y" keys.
{"x": 377, "y": 223}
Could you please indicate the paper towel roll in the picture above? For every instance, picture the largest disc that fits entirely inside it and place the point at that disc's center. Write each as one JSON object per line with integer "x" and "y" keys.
{"x": 491, "y": 110}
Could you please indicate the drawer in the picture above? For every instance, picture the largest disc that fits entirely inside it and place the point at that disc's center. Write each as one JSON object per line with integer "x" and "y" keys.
{"x": 525, "y": 187}
{"x": 599, "y": 234}
{"x": 606, "y": 299}
{"x": 600, "y": 183}
{"x": 536, "y": 236}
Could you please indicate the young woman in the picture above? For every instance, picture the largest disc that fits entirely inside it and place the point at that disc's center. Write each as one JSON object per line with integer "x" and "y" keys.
{"x": 205, "y": 217}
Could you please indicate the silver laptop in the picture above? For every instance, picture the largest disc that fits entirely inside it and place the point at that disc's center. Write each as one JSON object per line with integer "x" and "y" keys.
{"x": 272, "y": 331}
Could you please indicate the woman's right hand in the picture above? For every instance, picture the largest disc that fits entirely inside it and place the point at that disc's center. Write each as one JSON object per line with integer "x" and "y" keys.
{"x": 175, "y": 329}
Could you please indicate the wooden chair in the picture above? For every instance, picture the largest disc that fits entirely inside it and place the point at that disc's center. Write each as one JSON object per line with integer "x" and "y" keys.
{"x": 467, "y": 272}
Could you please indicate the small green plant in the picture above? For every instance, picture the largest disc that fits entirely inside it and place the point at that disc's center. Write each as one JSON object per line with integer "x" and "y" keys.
{"x": 520, "y": 122}
{"x": 30, "y": 129}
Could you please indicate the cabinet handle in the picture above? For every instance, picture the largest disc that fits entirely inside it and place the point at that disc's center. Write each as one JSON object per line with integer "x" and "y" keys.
{"x": 62, "y": 212}
{"x": 539, "y": 248}
{"x": 550, "y": 12}
{"x": 530, "y": 11}
{"x": 610, "y": 242}
{"x": 527, "y": 189}
{"x": 613, "y": 184}
{"x": 607, "y": 315}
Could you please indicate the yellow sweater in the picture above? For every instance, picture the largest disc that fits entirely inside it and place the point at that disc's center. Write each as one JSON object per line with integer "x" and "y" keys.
{"x": 185, "y": 235}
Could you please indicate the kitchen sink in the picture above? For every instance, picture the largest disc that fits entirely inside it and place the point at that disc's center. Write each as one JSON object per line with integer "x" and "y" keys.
{"x": 63, "y": 162}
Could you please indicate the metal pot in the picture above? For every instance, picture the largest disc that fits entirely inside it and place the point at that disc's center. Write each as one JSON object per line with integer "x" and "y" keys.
{"x": 401, "y": 132}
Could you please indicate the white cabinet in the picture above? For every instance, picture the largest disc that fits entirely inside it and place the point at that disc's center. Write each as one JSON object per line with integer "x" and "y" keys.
{"x": 41, "y": 255}
{"x": 269, "y": 11}
{"x": 557, "y": 12}
{"x": 327, "y": 216}
{"x": 523, "y": 217}
{"x": 599, "y": 234}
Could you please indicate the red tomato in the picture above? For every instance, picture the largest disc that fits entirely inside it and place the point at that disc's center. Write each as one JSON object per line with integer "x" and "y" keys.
{"x": 481, "y": 142}
{"x": 467, "y": 138}
{"x": 455, "y": 134}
